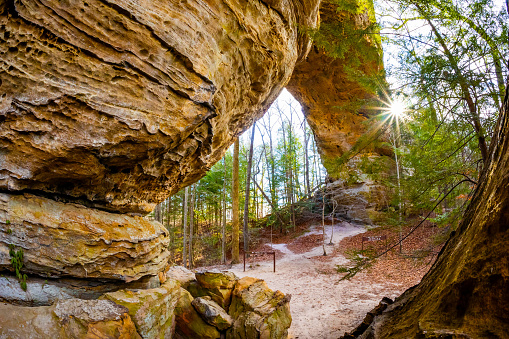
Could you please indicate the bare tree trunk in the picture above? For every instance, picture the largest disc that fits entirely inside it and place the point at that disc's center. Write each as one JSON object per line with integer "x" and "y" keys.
{"x": 248, "y": 186}
{"x": 223, "y": 228}
{"x": 169, "y": 207}
{"x": 184, "y": 246}
{"x": 334, "y": 206}
{"x": 235, "y": 204}
{"x": 306, "y": 161}
{"x": 268, "y": 200}
{"x": 191, "y": 226}
{"x": 157, "y": 213}
{"x": 323, "y": 223}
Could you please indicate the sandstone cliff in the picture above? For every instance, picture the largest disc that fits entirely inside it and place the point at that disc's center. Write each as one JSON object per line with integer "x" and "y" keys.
{"x": 118, "y": 104}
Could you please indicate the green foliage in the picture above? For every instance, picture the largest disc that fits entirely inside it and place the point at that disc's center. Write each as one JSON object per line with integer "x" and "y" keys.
{"x": 357, "y": 45}
{"x": 17, "y": 264}
{"x": 360, "y": 260}
{"x": 455, "y": 54}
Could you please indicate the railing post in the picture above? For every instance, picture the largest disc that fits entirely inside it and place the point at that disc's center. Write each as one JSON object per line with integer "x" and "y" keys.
{"x": 274, "y": 254}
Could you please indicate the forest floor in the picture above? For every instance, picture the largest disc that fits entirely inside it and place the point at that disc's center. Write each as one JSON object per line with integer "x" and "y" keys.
{"x": 322, "y": 306}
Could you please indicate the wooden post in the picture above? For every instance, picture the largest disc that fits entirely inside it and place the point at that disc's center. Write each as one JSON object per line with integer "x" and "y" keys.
{"x": 274, "y": 253}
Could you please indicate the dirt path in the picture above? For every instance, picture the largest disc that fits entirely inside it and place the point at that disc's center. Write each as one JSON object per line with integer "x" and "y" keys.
{"x": 321, "y": 307}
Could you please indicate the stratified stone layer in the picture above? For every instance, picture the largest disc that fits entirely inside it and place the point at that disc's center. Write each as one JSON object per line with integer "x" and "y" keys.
{"x": 62, "y": 239}
{"x": 73, "y": 319}
{"x": 117, "y": 104}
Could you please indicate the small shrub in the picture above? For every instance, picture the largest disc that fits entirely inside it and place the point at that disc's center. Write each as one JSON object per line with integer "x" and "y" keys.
{"x": 17, "y": 264}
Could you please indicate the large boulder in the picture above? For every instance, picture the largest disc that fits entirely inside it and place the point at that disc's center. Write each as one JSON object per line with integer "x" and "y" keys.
{"x": 212, "y": 313}
{"x": 190, "y": 323}
{"x": 64, "y": 239}
{"x": 73, "y": 318}
{"x": 258, "y": 312}
{"x": 162, "y": 312}
{"x": 182, "y": 275}
{"x": 215, "y": 284}
{"x": 152, "y": 310}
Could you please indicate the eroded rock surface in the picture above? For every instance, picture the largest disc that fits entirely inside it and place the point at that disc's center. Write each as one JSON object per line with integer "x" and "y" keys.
{"x": 331, "y": 91}
{"x": 182, "y": 275}
{"x": 212, "y": 313}
{"x": 167, "y": 311}
{"x": 359, "y": 194}
{"x": 63, "y": 239}
{"x": 152, "y": 310}
{"x": 217, "y": 285}
{"x": 73, "y": 318}
{"x": 45, "y": 292}
{"x": 190, "y": 324}
{"x": 258, "y": 312}
{"x": 118, "y": 104}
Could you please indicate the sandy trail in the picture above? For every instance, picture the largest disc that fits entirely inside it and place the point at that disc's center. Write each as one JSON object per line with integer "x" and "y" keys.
{"x": 321, "y": 307}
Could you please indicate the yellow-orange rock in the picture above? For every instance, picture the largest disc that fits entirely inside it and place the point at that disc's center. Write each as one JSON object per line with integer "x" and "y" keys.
{"x": 258, "y": 312}
{"x": 73, "y": 319}
{"x": 332, "y": 91}
{"x": 62, "y": 239}
{"x": 117, "y": 104}
{"x": 152, "y": 310}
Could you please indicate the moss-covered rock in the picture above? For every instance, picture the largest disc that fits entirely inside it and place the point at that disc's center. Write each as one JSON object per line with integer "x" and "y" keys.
{"x": 152, "y": 310}
{"x": 189, "y": 323}
{"x": 258, "y": 312}
{"x": 217, "y": 285}
{"x": 72, "y": 318}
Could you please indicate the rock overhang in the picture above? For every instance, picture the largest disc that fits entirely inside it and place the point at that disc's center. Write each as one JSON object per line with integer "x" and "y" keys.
{"x": 116, "y": 105}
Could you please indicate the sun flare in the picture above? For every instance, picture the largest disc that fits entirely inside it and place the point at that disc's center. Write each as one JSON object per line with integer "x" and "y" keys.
{"x": 397, "y": 109}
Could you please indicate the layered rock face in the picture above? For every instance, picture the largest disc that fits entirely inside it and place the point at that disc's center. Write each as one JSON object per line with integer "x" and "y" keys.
{"x": 118, "y": 104}
{"x": 62, "y": 239}
{"x": 108, "y": 107}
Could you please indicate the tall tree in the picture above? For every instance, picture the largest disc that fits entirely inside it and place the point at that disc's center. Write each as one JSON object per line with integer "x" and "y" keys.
{"x": 191, "y": 225}
{"x": 306, "y": 160}
{"x": 248, "y": 190}
{"x": 184, "y": 227}
{"x": 223, "y": 226}
{"x": 235, "y": 204}
{"x": 157, "y": 213}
